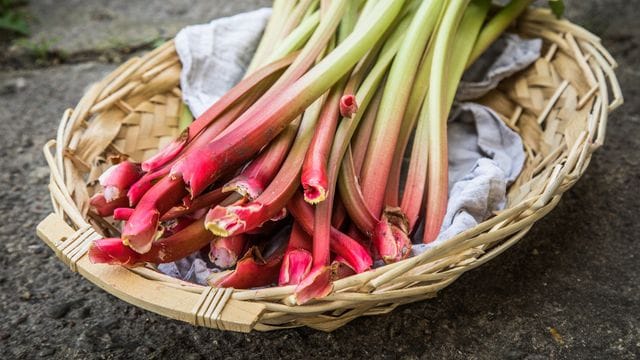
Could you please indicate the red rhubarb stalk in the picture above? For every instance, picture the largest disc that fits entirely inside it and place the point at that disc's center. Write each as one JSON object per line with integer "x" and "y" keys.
{"x": 165, "y": 250}
{"x": 263, "y": 78}
{"x": 341, "y": 244}
{"x": 314, "y": 168}
{"x": 142, "y": 227}
{"x": 104, "y": 208}
{"x": 237, "y": 219}
{"x": 259, "y": 173}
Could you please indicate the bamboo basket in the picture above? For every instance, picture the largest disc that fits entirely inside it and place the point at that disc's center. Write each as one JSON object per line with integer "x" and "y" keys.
{"x": 559, "y": 105}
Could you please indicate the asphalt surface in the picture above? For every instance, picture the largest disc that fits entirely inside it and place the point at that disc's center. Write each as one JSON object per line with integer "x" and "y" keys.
{"x": 569, "y": 289}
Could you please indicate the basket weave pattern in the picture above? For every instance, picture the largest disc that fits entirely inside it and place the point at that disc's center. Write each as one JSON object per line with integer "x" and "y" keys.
{"x": 559, "y": 106}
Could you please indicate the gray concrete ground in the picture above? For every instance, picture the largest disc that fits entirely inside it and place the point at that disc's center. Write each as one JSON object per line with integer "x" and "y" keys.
{"x": 569, "y": 289}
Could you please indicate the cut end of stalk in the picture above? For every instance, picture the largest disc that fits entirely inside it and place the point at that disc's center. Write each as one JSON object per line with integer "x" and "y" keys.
{"x": 280, "y": 215}
{"x": 314, "y": 192}
{"x": 295, "y": 266}
{"x": 230, "y": 220}
{"x": 141, "y": 231}
{"x": 197, "y": 170}
{"x": 343, "y": 268}
{"x": 317, "y": 284}
{"x": 348, "y": 105}
{"x": 167, "y": 154}
{"x": 222, "y": 258}
{"x": 391, "y": 237}
{"x": 224, "y": 252}
{"x": 105, "y": 208}
{"x": 118, "y": 178}
{"x": 111, "y": 251}
{"x": 246, "y": 187}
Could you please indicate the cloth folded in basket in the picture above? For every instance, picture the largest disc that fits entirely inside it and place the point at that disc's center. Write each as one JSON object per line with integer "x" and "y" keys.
{"x": 485, "y": 156}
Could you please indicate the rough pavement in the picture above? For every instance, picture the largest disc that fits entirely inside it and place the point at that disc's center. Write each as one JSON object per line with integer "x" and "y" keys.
{"x": 577, "y": 272}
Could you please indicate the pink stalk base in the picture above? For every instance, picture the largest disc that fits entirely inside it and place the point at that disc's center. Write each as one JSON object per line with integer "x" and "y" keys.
{"x": 297, "y": 258}
{"x": 317, "y": 284}
{"x": 142, "y": 228}
{"x": 390, "y": 238}
{"x": 348, "y": 105}
{"x": 343, "y": 269}
{"x": 118, "y": 178}
{"x": 165, "y": 250}
{"x": 225, "y": 251}
{"x": 251, "y": 271}
{"x": 104, "y": 208}
{"x": 357, "y": 256}
{"x": 295, "y": 266}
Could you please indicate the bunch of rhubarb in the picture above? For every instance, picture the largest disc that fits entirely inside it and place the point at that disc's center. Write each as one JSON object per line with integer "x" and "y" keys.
{"x": 295, "y": 176}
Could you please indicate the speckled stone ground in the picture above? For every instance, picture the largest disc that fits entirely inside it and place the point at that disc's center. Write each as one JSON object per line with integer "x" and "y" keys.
{"x": 577, "y": 271}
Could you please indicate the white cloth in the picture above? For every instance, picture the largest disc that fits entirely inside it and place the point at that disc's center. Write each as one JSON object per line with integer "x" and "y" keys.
{"x": 215, "y": 56}
{"x": 485, "y": 156}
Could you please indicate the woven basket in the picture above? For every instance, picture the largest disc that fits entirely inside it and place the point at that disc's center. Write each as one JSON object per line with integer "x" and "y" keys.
{"x": 559, "y": 105}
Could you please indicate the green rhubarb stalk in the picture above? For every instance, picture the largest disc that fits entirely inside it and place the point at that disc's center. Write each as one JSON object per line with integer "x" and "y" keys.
{"x": 185, "y": 118}
{"x": 297, "y": 38}
{"x": 438, "y": 111}
{"x": 360, "y": 141}
{"x": 392, "y": 106}
{"x": 496, "y": 26}
{"x": 280, "y": 11}
{"x": 414, "y": 190}
{"x": 297, "y": 15}
{"x": 418, "y": 93}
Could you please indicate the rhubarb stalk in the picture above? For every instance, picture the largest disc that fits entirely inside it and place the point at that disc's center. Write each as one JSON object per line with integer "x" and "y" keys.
{"x": 165, "y": 250}
{"x": 438, "y": 111}
{"x": 377, "y": 162}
